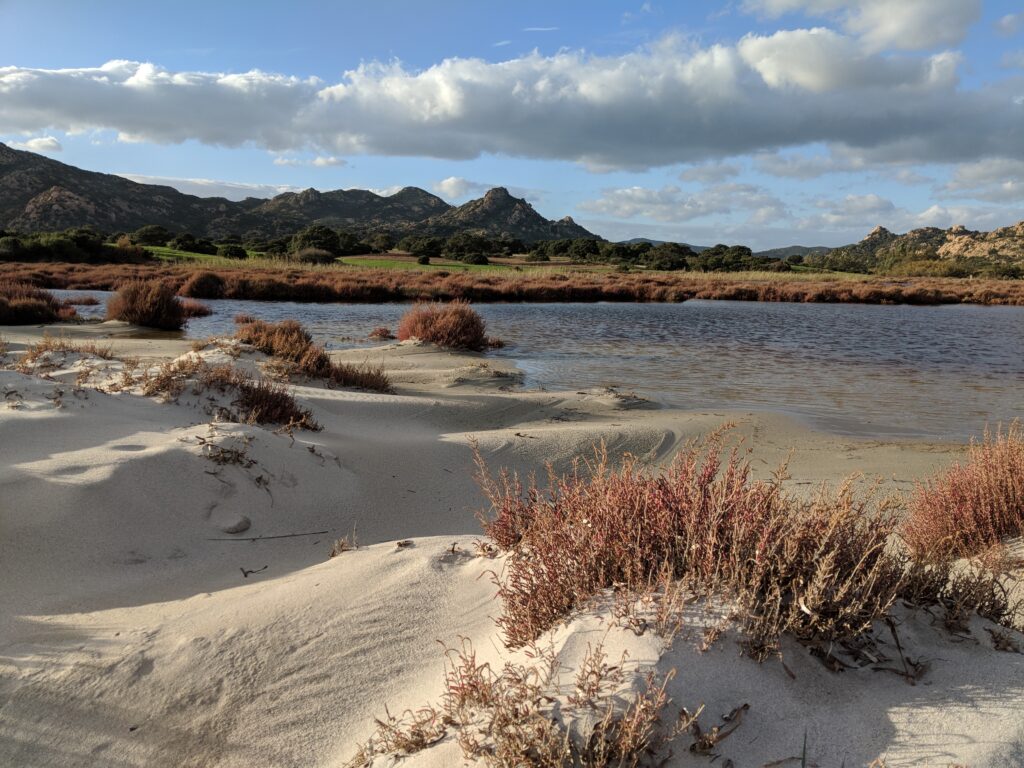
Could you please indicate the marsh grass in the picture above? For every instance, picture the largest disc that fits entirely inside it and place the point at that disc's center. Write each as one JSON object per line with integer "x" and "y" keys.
{"x": 22, "y": 303}
{"x": 151, "y": 304}
{"x": 293, "y": 346}
{"x": 279, "y": 281}
{"x": 974, "y": 505}
{"x": 454, "y": 325}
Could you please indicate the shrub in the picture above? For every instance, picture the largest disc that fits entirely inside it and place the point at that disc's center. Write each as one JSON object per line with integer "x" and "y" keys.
{"x": 313, "y": 256}
{"x": 455, "y": 325}
{"x": 24, "y": 304}
{"x": 971, "y": 506}
{"x": 10, "y": 247}
{"x": 382, "y": 333}
{"x": 818, "y": 570}
{"x": 474, "y": 258}
{"x": 231, "y": 251}
{"x": 290, "y": 342}
{"x": 204, "y": 285}
{"x": 423, "y": 260}
{"x": 150, "y": 304}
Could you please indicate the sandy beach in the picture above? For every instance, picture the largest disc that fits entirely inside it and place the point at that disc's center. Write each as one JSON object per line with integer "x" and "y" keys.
{"x": 167, "y": 595}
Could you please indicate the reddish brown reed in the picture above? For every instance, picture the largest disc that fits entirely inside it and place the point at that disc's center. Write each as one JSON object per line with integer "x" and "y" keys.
{"x": 971, "y": 506}
{"x": 150, "y": 304}
{"x": 358, "y": 285}
{"x": 24, "y": 304}
{"x": 191, "y": 308}
{"x": 455, "y": 325}
{"x": 290, "y": 342}
{"x": 381, "y": 334}
{"x": 815, "y": 569}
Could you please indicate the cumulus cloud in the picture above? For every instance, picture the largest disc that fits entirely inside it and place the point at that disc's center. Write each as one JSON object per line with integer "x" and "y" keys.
{"x": 455, "y": 187}
{"x": 999, "y": 181}
{"x": 232, "y": 190}
{"x": 1010, "y": 24}
{"x": 327, "y": 162}
{"x": 38, "y": 144}
{"x": 710, "y": 173}
{"x": 802, "y": 166}
{"x": 671, "y": 204}
{"x": 660, "y": 105}
{"x": 884, "y": 24}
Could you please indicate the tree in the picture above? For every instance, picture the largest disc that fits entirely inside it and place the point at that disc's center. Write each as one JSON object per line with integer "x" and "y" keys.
{"x": 232, "y": 251}
{"x": 381, "y": 242}
{"x": 319, "y": 237}
{"x": 583, "y": 249}
{"x": 151, "y": 234}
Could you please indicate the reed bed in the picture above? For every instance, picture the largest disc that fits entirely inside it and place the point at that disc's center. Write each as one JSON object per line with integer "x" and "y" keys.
{"x": 356, "y": 285}
{"x": 292, "y": 345}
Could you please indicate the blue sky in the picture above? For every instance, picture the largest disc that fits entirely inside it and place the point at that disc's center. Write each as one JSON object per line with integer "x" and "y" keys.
{"x": 767, "y": 122}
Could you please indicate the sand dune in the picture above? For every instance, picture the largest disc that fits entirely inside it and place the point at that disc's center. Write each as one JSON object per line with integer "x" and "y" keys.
{"x": 140, "y": 625}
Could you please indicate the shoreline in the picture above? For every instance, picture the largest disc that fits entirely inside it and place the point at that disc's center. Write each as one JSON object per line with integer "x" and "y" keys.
{"x": 136, "y": 629}
{"x": 352, "y": 284}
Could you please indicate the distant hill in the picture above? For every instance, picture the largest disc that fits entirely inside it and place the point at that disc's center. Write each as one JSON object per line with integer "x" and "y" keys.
{"x": 41, "y": 194}
{"x": 942, "y": 251}
{"x": 634, "y": 240}
{"x": 793, "y": 250}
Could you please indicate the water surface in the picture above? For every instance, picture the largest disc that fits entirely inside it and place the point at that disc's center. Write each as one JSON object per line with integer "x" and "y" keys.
{"x": 936, "y": 372}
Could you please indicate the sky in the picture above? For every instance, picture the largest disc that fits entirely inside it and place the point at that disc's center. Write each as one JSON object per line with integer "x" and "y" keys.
{"x": 763, "y": 122}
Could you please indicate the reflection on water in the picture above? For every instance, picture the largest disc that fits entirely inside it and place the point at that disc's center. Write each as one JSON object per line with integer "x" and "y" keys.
{"x": 869, "y": 370}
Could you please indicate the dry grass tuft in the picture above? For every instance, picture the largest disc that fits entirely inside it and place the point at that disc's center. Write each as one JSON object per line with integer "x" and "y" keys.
{"x": 818, "y": 569}
{"x": 82, "y": 300}
{"x": 24, "y": 304}
{"x": 455, "y": 326}
{"x": 519, "y": 718}
{"x": 61, "y": 344}
{"x": 151, "y": 304}
{"x": 291, "y": 343}
{"x": 972, "y": 506}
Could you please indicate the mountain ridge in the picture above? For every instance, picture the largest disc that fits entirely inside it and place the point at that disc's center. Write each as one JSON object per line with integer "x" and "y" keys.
{"x": 41, "y": 194}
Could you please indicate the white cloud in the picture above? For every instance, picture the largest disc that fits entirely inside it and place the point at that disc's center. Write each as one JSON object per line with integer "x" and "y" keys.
{"x": 38, "y": 144}
{"x": 671, "y": 204}
{"x": 886, "y": 24}
{"x": 820, "y": 60}
{"x": 232, "y": 190}
{"x": 800, "y": 166}
{"x": 668, "y": 103}
{"x": 710, "y": 173}
{"x": 998, "y": 181}
{"x": 455, "y": 187}
{"x": 327, "y": 162}
{"x": 1010, "y": 24}
{"x": 321, "y": 161}
{"x": 540, "y": 29}
{"x": 502, "y": 43}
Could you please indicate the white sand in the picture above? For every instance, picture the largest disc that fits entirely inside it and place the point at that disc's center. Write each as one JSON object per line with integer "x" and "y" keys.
{"x": 130, "y": 637}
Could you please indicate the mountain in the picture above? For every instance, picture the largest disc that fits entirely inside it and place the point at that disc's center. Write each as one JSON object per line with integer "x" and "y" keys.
{"x": 947, "y": 250}
{"x": 497, "y": 213}
{"x": 41, "y": 194}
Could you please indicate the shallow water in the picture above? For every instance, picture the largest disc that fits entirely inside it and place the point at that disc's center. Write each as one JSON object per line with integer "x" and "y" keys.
{"x": 936, "y": 372}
